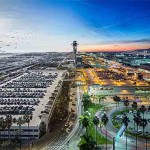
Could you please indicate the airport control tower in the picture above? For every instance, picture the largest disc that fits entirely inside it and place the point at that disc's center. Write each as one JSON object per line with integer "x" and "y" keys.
{"x": 75, "y": 44}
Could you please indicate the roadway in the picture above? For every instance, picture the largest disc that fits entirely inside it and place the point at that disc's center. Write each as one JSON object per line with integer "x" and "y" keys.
{"x": 120, "y": 142}
{"x": 61, "y": 141}
{"x": 62, "y": 61}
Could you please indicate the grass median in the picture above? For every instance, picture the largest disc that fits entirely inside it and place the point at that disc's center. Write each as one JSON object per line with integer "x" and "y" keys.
{"x": 92, "y": 130}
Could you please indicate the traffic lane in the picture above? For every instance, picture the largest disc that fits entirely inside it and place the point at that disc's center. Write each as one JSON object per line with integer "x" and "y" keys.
{"x": 116, "y": 91}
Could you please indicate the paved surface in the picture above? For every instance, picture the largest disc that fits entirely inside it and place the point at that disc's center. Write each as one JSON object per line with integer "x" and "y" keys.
{"x": 120, "y": 143}
{"x": 62, "y": 142}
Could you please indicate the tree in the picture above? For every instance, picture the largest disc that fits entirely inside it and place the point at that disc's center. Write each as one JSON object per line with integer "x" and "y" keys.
{"x": 117, "y": 99}
{"x": 142, "y": 109}
{"x": 134, "y": 106}
{"x": 87, "y": 143}
{"x": 100, "y": 98}
{"x": 1, "y": 120}
{"x": 3, "y": 125}
{"x": 143, "y": 123}
{"x": 126, "y": 120}
{"x": 20, "y": 122}
{"x": 148, "y": 108}
{"x": 137, "y": 120}
{"x": 85, "y": 121}
{"x": 126, "y": 104}
{"x": 8, "y": 123}
{"x": 27, "y": 119}
{"x": 105, "y": 120}
{"x": 96, "y": 123}
{"x": 86, "y": 101}
{"x": 14, "y": 120}
{"x": 42, "y": 128}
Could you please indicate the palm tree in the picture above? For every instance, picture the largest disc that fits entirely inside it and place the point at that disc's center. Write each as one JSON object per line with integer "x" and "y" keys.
{"x": 9, "y": 123}
{"x": 105, "y": 120}
{"x": 1, "y": 120}
{"x": 125, "y": 120}
{"x": 142, "y": 109}
{"x": 20, "y": 122}
{"x": 85, "y": 121}
{"x": 88, "y": 144}
{"x": 86, "y": 100}
{"x": 100, "y": 98}
{"x": 96, "y": 123}
{"x": 137, "y": 120}
{"x": 3, "y": 125}
{"x": 27, "y": 119}
{"x": 117, "y": 99}
{"x": 148, "y": 108}
{"x": 126, "y": 103}
{"x": 134, "y": 106}
{"x": 42, "y": 128}
{"x": 14, "y": 120}
{"x": 143, "y": 123}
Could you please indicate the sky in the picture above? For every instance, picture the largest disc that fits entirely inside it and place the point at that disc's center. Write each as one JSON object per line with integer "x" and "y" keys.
{"x": 52, "y": 25}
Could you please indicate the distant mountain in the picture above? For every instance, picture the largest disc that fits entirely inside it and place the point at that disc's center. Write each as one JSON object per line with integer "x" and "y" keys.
{"x": 139, "y": 51}
{"x": 143, "y": 50}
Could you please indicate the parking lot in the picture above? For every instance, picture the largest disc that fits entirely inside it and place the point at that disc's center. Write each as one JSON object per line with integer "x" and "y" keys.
{"x": 29, "y": 94}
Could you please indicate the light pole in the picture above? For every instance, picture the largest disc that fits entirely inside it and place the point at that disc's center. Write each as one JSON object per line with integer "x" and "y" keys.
{"x": 145, "y": 135}
{"x": 113, "y": 143}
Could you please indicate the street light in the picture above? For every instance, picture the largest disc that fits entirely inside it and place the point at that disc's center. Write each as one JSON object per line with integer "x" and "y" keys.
{"x": 146, "y": 134}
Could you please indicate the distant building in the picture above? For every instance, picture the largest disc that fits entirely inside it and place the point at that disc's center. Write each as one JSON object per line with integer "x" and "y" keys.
{"x": 134, "y": 75}
{"x": 139, "y": 76}
{"x": 145, "y": 66}
{"x": 138, "y": 62}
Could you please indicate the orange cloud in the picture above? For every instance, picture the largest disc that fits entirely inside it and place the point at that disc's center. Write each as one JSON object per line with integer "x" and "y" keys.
{"x": 110, "y": 47}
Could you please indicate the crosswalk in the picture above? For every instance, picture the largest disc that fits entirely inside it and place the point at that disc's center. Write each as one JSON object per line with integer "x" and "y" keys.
{"x": 63, "y": 147}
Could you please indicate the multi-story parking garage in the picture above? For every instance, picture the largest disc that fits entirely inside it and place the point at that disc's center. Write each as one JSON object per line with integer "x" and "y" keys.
{"x": 32, "y": 94}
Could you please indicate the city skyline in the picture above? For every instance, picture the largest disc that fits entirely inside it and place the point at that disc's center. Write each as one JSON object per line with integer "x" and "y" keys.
{"x": 48, "y": 26}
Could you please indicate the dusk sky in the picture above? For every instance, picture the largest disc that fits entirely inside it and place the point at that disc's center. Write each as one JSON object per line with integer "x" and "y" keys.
{"x": 52, "y": 25}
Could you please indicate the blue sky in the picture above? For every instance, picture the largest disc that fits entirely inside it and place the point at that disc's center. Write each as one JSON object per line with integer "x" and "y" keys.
{"x": 51, "y": 25}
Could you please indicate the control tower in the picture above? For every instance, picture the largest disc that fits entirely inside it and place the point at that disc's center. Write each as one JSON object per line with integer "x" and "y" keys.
{"x": 75, "y": 44}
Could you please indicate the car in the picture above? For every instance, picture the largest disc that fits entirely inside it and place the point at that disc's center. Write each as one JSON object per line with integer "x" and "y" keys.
{"x": 134, "y": 112}
{"x": 130, "y": 112}
{"x": 139, "y": 131}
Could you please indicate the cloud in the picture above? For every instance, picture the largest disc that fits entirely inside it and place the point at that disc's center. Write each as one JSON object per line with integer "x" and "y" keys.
{"x": 120, "y": 42}
{"x": 136, "y": 41}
